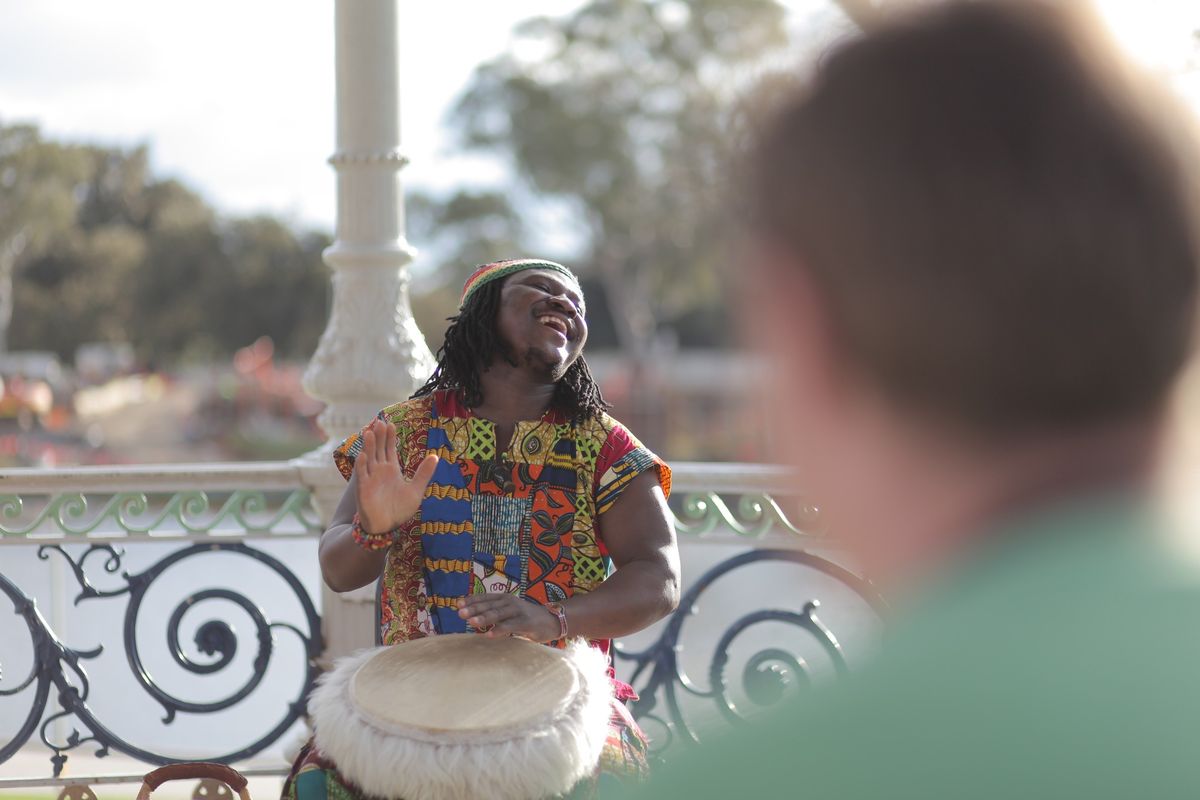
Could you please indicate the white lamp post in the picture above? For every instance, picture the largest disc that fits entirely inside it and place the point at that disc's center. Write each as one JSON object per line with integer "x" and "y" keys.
{"x": 371, "y": 353}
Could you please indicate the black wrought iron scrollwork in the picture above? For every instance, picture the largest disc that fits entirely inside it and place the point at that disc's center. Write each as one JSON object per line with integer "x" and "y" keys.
{"x": 86, "y": 590}
{"x": 48, "y": 657}
{"x": 59, "y": 667}
{"x": 767, "y": 676}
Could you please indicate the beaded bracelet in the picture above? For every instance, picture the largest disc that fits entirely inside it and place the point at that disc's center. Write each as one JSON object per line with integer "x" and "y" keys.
{"x": 371, "y": 541}
{"x": 561, "y": 614}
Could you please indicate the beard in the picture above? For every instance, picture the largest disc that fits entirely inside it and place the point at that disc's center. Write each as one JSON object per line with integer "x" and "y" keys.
{"x": 543, "y": 363}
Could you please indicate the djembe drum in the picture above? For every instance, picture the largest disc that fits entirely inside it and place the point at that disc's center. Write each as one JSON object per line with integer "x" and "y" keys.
{"x": 464, "y": 716}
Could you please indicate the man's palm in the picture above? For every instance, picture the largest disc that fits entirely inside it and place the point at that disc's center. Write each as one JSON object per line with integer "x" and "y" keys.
{"x": 386, "y": 499}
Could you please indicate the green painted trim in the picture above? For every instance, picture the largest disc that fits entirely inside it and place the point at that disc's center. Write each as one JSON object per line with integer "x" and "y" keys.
{"x": 757, "y": 515}
{"x": 190, "y": 510}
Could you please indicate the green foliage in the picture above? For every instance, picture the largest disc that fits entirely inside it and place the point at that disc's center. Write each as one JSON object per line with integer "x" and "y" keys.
{"x": 103, "y": 251}
{"x": 625, "y": 113}
{"x": 620, "y": 117}
{"x": 474, "y": 226}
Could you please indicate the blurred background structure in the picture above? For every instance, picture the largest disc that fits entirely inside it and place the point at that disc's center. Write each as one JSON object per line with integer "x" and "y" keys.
{"x": 163, "y": 208}
{"x": 168, "y": 222}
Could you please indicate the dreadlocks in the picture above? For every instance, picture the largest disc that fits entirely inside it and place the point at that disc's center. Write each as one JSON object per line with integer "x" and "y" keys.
{"x": 472, "y": 342}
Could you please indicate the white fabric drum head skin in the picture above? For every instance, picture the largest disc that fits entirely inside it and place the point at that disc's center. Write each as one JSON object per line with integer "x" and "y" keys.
{"x": 462, "y": 683}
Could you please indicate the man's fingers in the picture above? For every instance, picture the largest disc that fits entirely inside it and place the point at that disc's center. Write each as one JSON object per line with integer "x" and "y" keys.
{"x": 492, "y": 618}
{"x": 516, "y": 625}
{"x": 499, "y": 631}
{"x": 480, "y": 603}
{"x": 389, "y": 444}
{"x": 362, "y": 464}
{"x": 381, "y": 456}
{"x": 488, "y": 597}
{"x": 497, "y": 614}
{"x": 368, "y": 442}
{"x": 424, "y": 472}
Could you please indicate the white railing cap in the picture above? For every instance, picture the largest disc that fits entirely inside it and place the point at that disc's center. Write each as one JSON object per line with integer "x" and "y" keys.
{"x": 689, "y": 476}
{"x": 271, "y": 475}
{"x": 731, "y": 477}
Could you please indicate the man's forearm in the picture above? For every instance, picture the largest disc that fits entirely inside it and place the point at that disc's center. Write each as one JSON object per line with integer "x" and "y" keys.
{"x": 344, "y": 564}
{"x": 634, "y": 597}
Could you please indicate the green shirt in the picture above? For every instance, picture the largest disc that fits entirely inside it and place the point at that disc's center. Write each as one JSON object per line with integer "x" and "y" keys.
{"x": 1063, "y": 662}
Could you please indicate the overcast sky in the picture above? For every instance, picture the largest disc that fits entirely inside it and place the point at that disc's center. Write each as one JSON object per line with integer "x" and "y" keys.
{"x": 236, "y": 96}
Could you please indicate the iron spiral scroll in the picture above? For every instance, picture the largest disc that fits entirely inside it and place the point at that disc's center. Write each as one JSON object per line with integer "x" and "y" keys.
{"x": 58, "y": 671}
{"x": 767, "y": 676}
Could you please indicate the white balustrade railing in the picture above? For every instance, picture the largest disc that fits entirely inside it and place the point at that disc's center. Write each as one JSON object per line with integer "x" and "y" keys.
{"x": 714, "y": 501}
{"x": 95, "y": 527}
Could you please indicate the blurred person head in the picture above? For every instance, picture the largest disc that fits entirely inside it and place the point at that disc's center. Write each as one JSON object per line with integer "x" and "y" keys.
{"x": 521, "y": 314}
{"x": 972, "y": 252}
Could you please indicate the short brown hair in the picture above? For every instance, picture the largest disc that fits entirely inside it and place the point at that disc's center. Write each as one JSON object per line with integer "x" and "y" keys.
{"x": 1000, "y": 236}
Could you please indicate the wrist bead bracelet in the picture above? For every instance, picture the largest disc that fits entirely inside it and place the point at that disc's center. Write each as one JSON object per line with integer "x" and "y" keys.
{"x": 371, "y": 541}
{"x": 561, "y": 613}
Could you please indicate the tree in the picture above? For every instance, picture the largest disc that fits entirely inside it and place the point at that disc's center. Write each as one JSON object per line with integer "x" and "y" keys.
{"x": 625, "y": 113}
{"x": 39, "y": 192}
{"x": 94, "y": 248}
{"x": 623, "y": 116}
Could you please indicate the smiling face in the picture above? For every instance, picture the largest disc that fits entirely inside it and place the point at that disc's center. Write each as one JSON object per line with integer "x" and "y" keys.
{"x": 541, "y": 319}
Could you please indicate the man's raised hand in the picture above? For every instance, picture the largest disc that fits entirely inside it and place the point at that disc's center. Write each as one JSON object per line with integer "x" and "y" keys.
{"x": 386, "y": 499}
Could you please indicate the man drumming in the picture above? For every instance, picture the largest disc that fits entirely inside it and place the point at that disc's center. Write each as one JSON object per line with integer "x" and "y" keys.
{"x": 499, "y": 498}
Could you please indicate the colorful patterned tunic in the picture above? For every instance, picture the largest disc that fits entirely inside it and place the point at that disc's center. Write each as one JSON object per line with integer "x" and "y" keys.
{"x": 522, "y": 521}
{"x": 527, "y": 520}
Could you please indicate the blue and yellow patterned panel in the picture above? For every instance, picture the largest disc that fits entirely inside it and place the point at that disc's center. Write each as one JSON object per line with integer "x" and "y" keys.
{"x": 447, "y": 539}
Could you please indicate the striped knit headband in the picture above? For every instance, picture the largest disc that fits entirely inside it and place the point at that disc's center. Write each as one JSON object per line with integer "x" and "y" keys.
{"x": 500, "y": 269}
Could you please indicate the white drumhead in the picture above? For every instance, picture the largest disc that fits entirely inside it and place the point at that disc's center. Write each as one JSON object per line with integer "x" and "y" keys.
{"x": 461, "y": 715}
{"x": 463, "y": 683}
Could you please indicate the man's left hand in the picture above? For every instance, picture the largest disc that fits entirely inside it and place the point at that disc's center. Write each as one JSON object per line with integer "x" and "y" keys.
{"x": 497, "y": 615}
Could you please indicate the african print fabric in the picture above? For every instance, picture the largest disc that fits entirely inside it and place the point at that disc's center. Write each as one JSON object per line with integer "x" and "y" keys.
{"x": 526, "y": 519}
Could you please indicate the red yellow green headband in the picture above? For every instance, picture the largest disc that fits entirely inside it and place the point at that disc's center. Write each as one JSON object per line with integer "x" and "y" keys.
{"x": 500, "y": 269}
